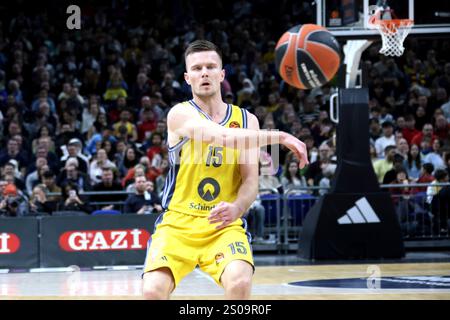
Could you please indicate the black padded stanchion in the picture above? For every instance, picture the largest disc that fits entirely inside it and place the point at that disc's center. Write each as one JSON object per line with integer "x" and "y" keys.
{"x": 356, "y": 219}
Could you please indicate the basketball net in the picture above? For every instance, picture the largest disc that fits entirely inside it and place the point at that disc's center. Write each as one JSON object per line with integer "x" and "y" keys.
{"x": 393, "y": 31}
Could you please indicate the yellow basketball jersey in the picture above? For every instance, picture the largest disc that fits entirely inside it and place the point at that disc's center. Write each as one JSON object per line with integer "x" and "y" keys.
{"x": 202, "y": 174}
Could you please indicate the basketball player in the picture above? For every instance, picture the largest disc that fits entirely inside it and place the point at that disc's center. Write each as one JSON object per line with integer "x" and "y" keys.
{"x": 210, "y": 186}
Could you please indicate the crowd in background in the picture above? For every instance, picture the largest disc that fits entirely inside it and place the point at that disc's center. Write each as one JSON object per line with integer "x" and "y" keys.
{"x": 85, "y": 110}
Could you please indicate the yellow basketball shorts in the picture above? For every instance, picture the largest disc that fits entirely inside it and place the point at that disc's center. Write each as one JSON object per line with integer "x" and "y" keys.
{"x": 182, "y": 241}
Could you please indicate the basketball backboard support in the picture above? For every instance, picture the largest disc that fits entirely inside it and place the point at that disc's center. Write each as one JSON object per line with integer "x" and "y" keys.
{"x": 348, "y": 18}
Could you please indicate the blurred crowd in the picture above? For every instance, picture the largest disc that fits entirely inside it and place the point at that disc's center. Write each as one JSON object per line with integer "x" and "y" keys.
{"x": 85, "y": 110}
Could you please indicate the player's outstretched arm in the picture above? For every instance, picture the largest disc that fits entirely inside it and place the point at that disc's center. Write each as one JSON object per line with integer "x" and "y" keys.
{"x": 184, "y": 121}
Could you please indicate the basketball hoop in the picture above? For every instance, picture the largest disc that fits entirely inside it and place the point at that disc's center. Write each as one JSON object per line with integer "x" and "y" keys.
{"x": 393, "y": 33}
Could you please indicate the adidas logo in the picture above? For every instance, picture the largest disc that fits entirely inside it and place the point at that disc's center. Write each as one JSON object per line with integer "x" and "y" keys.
{"x": 360, "y": 214}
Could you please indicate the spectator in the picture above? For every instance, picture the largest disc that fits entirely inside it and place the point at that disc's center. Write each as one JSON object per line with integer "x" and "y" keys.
{"x": 413, "y": 162}
{"x": 116, "y": 88}
{"x": 328, "y": 170}
{"x": 43, "y": 151}
{"x": 141, "y": 88}
{"x": 13, "y": 152}
{"x": 12, "y": 204}
{"x": 71, "y": 200}
{"x": 49, "y": 181}
{"x": 435, "y": 156}
{"x": 397, "y": 165}
{"x": 446, "y": 109}
{"x": 45, "y": 133}
{"x": 425, "y": 147}
{"x": 267, "y": 177}
{"x": 96, "y": 167}
{"x": 100, "y": 122}
{"x": 387, "y": 138}
{"x": 314, "y": 172}
{"x": 74, "y": 148}
{"x": 152, "y": 105}
{"x": 256, "y": 216}
{"x": 89, "y": 116}
{"x": 427, "y": 131}
{"x": 151, "y": 173}
{"x": 108, "y": 183}
{"x": 3, "y": 184}
{"x": 66, "y": 134}
{"x": 292, "y": 178}
{"x": 10, "y": 168}
{"x": 161, "y": 179}
{"x": 442, "y": 130}
{"x": 421, "y": 117}
{"x": 438, "y": 198}
{"x": 310, "y": 112}
{"x": 401, "y": 177}
{"x": 130, "y": 159}
{"x": 410, "y": 128}
{"x": 94, "y": 143}
{"x": 130, "y": 131}
{"x": 139, "y": 171}
{"x": 147, "y": 125}
{"x": 34, "y": 177}
{"x": 144, "y": 200}
{"x": 374, "y": 130}
{"x": 42, "y": 117}
{"x": 71, "y": 174}
{"x": 382, "y": 166}
{"x": 426, "y": 176}
{"x": 43, "y": 97}
{"x": 403, "y": 147}
{"x": 66, "y": 92}
{"x": 156, "y": 146}
{"x": 39, "y": 204}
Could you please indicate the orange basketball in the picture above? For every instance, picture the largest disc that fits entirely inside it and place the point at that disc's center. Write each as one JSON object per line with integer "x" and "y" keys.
{"x": 307, "y": 56}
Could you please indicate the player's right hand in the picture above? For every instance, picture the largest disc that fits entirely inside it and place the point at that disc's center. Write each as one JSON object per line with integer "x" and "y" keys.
{"x": 297, "y": 147}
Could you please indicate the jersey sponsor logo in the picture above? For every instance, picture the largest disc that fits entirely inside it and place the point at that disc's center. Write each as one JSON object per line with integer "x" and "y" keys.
{"x": 208, "y": 189}
{"x": 409, "y": 282}
{"x": 234, "y": 124}
{"x": 9, "y": 243}
{"x": 201, "y": 207}
{"x": 104, "y": 240}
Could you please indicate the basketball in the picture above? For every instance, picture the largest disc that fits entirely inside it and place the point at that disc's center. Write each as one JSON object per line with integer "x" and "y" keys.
{"x": 307, "y": 56}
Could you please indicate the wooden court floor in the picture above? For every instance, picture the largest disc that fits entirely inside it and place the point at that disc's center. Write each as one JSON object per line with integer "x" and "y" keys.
{"x": 270, "y": 282}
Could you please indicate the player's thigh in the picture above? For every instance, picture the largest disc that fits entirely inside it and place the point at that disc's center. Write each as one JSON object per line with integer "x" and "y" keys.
{"x": 169, "y": 250}
{"x": 230, "y": 245}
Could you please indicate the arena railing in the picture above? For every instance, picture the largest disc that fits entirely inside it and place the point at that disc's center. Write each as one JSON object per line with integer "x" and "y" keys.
{"x": 285, "y": 213}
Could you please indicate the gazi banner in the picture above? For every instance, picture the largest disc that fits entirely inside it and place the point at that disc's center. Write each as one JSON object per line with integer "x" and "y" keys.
{"x": 95, "y": 240}
{"x": 19, "y": 243}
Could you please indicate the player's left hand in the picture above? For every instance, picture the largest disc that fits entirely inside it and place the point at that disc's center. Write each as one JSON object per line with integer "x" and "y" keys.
{"x": 224, "y": 212}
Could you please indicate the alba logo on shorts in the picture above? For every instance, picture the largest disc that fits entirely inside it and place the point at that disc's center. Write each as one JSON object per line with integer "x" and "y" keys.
{"x": 101, "y": 240}
{"x": 9, "y": 243}
{"x": 219, "y": 257}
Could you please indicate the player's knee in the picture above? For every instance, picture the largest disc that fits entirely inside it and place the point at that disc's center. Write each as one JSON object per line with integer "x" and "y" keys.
{"x": 240, "y": 285}
{"x": 155, "y": 290}
{"x": 152, "y": 292}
